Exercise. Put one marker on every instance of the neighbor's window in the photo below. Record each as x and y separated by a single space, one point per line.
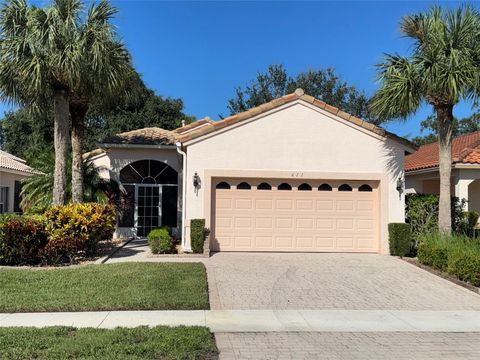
223 185
365 187
324 187
304 187
344 187
3 199
244 186
264 186
17 197
284 186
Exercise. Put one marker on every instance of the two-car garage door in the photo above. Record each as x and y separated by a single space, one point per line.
293 215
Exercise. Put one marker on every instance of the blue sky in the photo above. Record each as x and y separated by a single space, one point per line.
200 51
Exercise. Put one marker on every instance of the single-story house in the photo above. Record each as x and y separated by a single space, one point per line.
421 170
12 171
294 174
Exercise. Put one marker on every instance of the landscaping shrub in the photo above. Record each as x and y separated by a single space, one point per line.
76 229
197 235
466 225
21 239
432 250
422 214
400 239
160 241
459 255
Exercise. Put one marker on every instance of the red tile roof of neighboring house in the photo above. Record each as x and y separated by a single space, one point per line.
465 150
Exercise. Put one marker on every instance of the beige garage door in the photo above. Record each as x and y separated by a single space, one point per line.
302 216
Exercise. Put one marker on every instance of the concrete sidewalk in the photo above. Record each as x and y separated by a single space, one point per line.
262 320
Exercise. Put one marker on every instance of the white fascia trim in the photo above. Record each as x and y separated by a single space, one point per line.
466 166
137 146
19 172
436 169
421 171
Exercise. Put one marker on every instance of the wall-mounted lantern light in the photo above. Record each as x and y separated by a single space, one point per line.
196 181
399 184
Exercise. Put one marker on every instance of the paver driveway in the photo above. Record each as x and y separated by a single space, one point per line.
329 281
343 346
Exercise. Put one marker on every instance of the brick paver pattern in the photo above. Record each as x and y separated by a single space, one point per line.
329 281
342 345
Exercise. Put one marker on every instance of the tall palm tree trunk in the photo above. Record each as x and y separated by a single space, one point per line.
78 110
61 137
445 122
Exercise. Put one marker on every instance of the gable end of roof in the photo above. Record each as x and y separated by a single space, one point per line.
214 126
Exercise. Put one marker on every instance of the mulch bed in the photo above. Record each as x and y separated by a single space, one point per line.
442 274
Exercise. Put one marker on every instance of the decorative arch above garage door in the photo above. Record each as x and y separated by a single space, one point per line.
300 216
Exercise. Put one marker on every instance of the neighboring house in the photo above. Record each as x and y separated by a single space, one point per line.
294 174
12 171
421 170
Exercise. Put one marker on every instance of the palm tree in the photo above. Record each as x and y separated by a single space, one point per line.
105 67
50 56
443 68
38 66
37 190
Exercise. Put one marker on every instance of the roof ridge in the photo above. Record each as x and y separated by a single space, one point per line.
285 99
466 151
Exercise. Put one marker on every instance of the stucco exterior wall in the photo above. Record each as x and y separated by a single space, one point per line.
8 179
297 140
428 182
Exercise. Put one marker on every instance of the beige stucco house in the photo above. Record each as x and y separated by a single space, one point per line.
421 170
294 174
12 171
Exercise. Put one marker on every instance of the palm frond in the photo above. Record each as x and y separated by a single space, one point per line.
443 68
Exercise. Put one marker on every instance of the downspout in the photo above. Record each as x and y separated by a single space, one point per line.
184 192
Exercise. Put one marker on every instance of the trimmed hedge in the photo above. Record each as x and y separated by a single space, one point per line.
63 234
458 255
400 239
197 235
21 240
160 241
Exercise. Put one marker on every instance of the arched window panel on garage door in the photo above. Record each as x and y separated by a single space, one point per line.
344 187
304 187
365 188
244 186
223 185
264 186
325 187
284 186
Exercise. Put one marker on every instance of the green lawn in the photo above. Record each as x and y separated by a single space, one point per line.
121 343
126 286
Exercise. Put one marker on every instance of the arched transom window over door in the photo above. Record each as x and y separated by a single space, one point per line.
148 172
152 188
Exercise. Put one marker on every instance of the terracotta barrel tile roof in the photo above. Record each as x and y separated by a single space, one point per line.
11 162
465 149
158 136
297 95
146 136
